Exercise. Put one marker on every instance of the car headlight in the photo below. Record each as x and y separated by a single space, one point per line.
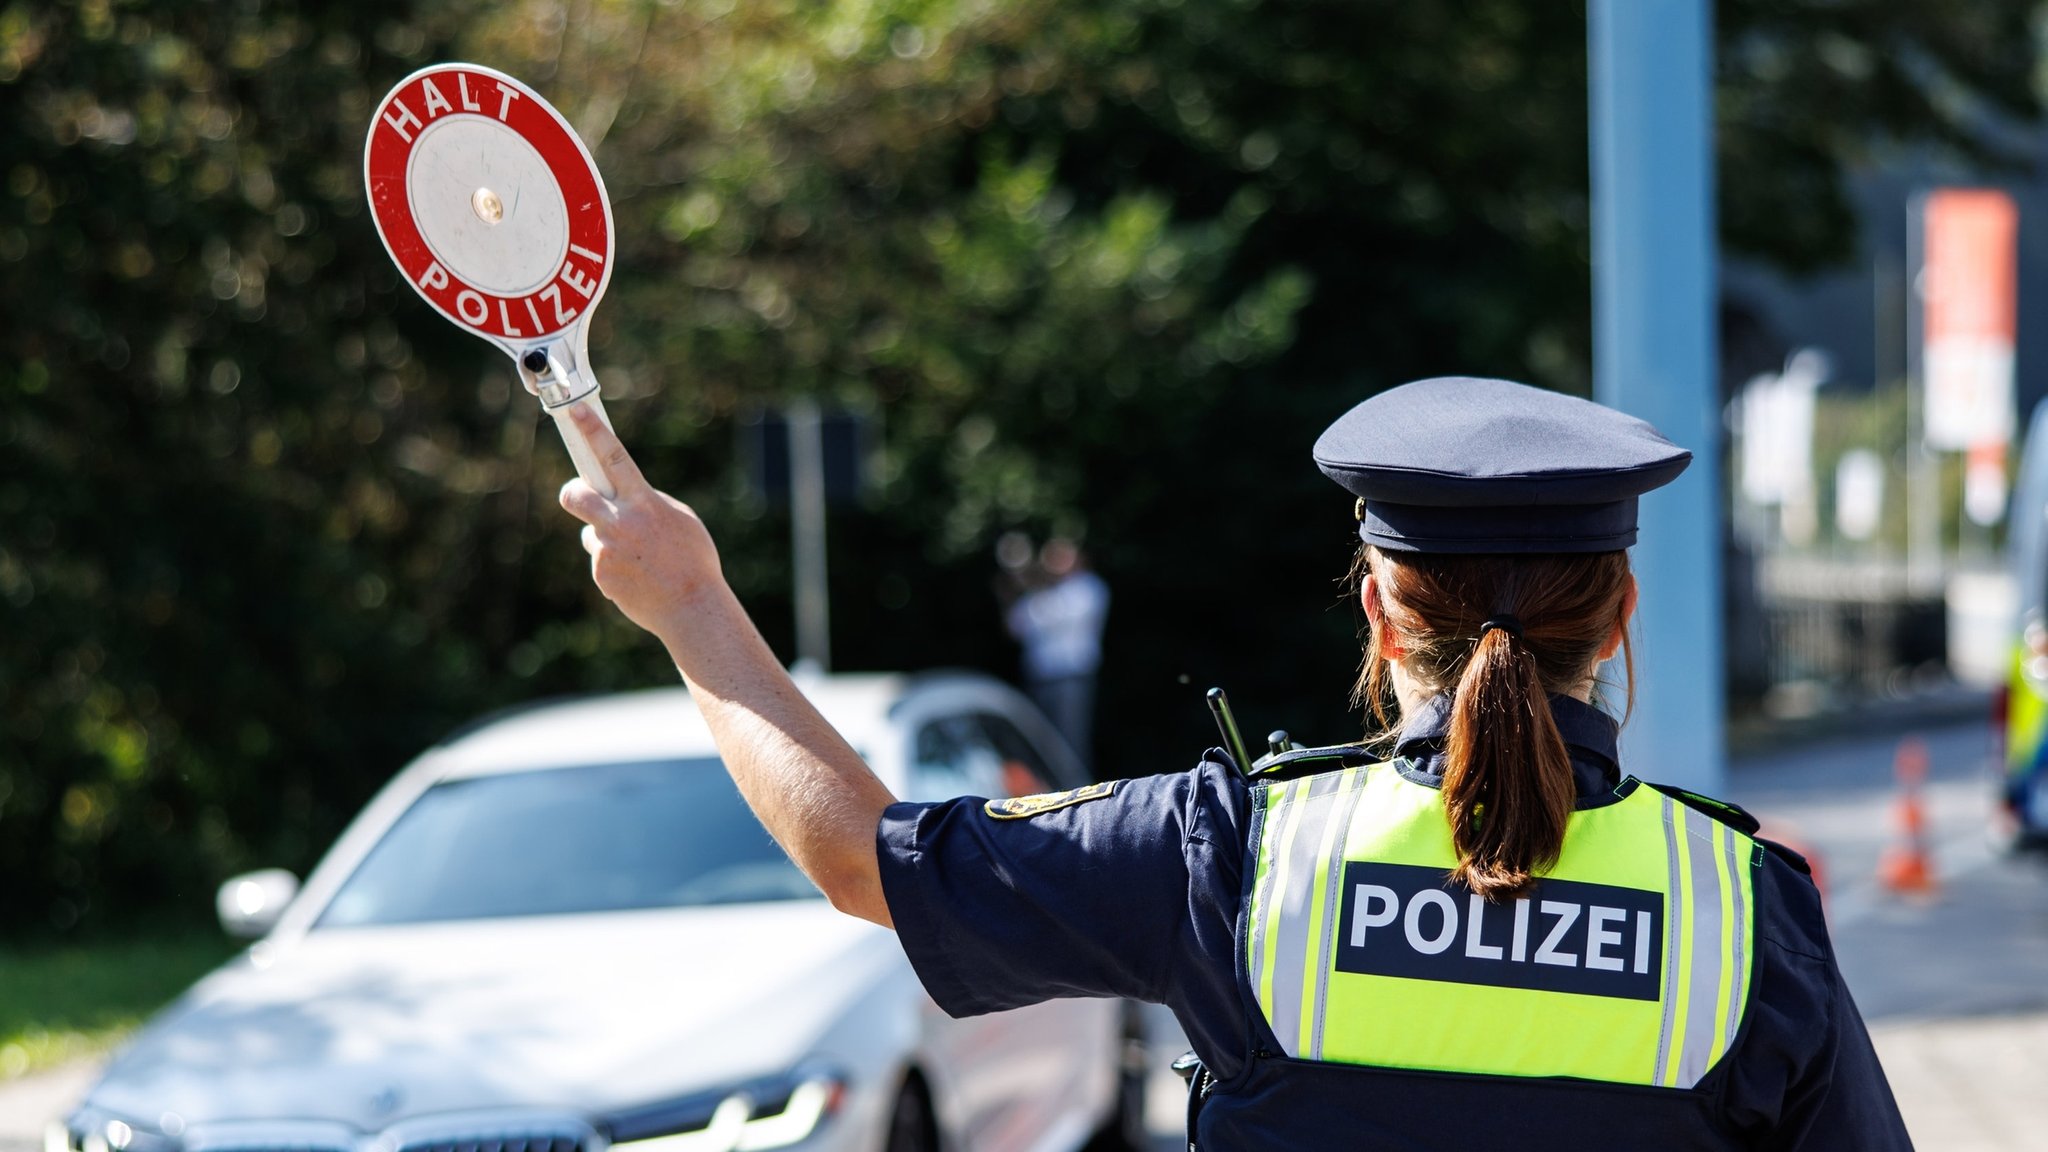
751 1118
91 1131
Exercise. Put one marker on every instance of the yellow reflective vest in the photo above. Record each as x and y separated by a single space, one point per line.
1629 962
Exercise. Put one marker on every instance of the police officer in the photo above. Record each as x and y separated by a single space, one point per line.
1491 938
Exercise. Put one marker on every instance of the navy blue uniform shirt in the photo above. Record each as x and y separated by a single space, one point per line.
1138 895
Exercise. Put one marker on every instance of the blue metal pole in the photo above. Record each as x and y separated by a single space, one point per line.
1654 356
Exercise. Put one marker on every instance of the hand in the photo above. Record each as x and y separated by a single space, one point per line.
649 553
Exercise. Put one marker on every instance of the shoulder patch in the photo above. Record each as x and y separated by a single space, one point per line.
1024 807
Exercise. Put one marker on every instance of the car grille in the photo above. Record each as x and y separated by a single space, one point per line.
519 1132
511 1142
275 1148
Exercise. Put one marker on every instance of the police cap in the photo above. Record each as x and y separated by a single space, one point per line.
1461 464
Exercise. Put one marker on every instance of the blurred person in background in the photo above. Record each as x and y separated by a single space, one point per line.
1057 617
1475 932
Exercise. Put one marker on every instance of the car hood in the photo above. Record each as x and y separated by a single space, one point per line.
368 1026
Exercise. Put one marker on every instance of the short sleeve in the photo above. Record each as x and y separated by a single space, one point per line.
999 906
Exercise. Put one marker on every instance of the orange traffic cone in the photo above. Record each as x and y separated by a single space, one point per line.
1906 865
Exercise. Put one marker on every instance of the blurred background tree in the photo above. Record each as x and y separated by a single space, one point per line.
268 526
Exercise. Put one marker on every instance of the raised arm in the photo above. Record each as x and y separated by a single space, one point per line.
653 557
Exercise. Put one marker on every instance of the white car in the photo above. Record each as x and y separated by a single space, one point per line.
562 931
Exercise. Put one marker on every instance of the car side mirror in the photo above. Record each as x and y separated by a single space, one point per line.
250 904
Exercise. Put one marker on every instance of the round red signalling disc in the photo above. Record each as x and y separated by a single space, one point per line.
496 215
489 203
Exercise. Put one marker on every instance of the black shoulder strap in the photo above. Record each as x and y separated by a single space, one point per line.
1298 762
1733 815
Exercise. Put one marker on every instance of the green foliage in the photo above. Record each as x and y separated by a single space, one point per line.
267 525
237 592
1806 87
60 1003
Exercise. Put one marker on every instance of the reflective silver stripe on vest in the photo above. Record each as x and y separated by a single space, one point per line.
1709 947
1738 959
1674 938
1295 887
1350 786
1712 866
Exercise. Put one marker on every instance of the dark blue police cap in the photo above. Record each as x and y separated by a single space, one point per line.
1460 464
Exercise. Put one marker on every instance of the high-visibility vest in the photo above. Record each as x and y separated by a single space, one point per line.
1629 962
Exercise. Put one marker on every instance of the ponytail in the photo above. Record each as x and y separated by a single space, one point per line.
1508 786
1507 780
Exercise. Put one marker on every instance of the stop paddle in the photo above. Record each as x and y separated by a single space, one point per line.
495 213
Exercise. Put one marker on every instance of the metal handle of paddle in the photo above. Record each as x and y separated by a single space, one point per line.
587 464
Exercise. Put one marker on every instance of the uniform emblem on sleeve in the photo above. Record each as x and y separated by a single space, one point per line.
1023 807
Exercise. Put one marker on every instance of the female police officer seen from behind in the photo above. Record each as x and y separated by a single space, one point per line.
1491 939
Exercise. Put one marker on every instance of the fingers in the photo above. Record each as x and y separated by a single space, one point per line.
589 537
604 443
587 504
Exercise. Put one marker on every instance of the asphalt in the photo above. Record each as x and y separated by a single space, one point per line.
1953 983
1978 945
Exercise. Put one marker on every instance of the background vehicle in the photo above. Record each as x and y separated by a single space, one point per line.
2023 719
563 930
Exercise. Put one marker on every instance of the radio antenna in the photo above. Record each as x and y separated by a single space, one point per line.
1233 740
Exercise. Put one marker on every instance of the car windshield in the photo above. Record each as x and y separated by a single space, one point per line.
659 834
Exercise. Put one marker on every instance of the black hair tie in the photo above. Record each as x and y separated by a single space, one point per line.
1505 623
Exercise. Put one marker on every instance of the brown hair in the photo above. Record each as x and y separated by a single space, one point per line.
1507 781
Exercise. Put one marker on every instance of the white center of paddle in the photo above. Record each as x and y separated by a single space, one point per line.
487 205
